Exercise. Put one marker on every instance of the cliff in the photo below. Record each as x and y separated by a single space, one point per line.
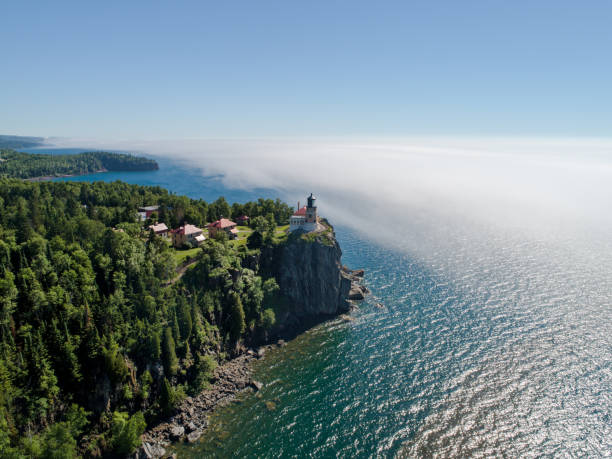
314 285
310 275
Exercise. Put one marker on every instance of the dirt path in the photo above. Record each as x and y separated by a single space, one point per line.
180 271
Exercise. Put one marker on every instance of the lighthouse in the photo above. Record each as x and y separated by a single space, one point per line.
311 210
305 218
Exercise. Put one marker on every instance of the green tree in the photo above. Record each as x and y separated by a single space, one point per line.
58 442
268 319
126 432
185 321
237 324
170 359
167 398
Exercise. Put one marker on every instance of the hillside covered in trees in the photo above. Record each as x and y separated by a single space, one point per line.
17 141
30 165
96 342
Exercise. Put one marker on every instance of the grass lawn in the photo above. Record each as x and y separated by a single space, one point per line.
243 233
181 255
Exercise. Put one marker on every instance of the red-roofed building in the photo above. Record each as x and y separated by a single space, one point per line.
223 224
160 229
305 218
243 220
187 234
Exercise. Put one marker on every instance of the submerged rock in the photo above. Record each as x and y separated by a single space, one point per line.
194 436
271 406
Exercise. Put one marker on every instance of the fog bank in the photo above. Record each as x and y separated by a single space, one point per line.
411 191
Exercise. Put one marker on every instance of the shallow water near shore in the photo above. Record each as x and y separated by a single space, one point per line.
499 345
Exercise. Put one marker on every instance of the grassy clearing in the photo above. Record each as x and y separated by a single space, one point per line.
181 255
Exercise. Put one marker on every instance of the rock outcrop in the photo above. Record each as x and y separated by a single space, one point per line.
310 274
311 277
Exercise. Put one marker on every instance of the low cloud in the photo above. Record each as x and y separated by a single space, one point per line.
416 192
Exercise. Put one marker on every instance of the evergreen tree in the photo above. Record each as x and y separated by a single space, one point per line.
170 359
237 324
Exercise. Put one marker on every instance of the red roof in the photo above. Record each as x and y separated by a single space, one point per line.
222 224
158 227
187 229
300 212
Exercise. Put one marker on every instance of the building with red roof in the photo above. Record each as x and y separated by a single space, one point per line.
243 220
223 224
187 234
305 218
160 229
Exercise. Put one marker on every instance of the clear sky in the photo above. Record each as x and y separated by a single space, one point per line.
130 69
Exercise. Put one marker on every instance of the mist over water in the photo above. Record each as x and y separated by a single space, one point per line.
493 258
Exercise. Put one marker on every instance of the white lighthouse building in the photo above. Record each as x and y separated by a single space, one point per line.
305 218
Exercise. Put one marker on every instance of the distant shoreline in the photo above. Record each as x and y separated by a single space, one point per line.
51 177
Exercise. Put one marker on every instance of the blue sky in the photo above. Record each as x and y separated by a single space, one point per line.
322 68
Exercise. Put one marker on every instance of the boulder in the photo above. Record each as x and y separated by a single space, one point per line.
151 451
177 432
191 427
256 385
355 294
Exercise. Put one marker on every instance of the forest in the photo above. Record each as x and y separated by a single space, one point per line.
17 141
29 165
96 339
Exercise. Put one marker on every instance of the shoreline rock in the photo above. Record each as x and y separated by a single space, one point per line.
191 418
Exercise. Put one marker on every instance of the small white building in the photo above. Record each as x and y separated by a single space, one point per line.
305 218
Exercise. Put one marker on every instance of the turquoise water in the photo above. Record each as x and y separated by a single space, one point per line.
496 346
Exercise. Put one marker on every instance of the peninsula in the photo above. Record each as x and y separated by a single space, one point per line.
32 166
118 302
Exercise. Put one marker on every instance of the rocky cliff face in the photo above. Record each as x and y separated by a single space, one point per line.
310 274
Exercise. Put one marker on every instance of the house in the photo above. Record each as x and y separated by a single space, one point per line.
160 229
223 224
187 234
243 220
146 212
305 218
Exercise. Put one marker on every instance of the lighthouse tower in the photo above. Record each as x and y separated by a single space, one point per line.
305 218
311 210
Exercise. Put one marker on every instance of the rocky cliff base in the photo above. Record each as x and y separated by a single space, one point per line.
191 418
313 280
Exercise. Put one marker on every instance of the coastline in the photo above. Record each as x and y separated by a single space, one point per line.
234 376
42 178
191 419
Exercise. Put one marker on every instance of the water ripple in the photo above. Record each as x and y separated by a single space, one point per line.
499 350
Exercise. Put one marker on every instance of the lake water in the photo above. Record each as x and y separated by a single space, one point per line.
499 346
